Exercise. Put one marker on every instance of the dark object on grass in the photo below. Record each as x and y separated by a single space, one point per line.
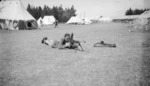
43 41
67 42
145 44
103 44
75 43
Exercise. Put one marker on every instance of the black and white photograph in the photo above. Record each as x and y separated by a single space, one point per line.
74 42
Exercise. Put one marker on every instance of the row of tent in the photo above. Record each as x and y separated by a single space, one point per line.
73 20
47 20
14 16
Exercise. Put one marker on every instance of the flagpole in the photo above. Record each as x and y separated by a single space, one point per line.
84 17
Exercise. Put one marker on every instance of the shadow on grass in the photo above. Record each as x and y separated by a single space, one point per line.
4 79
145 69
5 76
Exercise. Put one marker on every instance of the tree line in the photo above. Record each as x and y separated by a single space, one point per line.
60 13
135 11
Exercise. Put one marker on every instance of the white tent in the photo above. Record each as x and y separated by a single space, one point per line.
75 20
14 16
95 19
48 20
14 10
105 19
146 14
39 21
142 20
87 21
142 23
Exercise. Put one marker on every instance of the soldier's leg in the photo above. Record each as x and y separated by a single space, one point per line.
74 46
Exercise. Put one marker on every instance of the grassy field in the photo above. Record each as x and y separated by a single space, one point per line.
24 61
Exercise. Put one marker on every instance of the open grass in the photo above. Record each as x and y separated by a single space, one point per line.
24 61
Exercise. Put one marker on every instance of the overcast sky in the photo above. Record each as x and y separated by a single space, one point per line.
94 8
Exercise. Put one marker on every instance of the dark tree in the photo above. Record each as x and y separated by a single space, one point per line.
135 11
61 14
129 12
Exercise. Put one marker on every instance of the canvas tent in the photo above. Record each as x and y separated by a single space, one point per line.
146 14
86 21
105 19
39 21
13 10
95 19
75 20
47 20
143 21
